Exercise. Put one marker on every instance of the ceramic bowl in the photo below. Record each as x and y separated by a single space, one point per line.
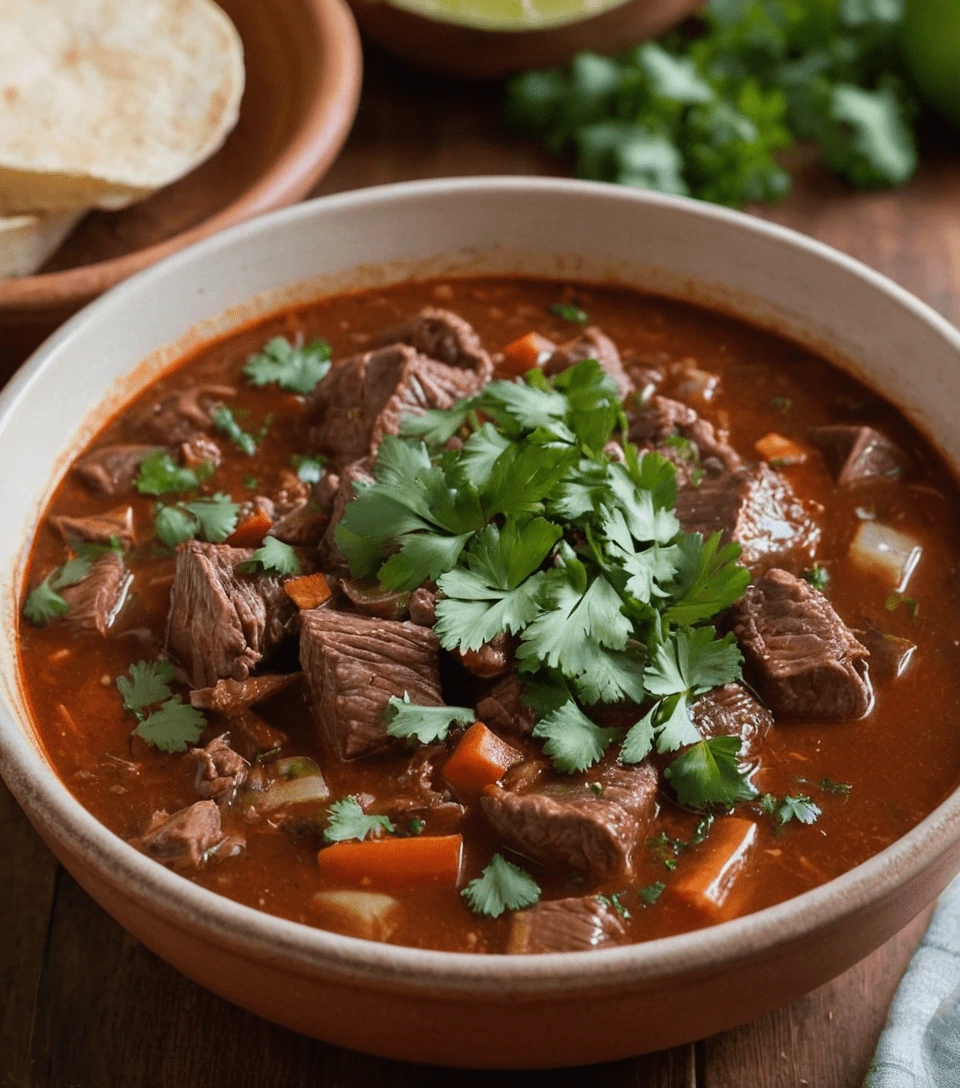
458 1009
303 71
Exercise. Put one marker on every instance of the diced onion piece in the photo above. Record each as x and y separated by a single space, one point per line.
779 451
358 914
886 552
698 383
293 791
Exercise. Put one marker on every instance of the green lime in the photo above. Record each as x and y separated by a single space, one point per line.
931 48
507 14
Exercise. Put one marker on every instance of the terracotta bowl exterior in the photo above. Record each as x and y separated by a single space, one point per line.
492 54
303 73
482 1011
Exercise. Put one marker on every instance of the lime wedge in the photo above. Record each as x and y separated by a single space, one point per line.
507 14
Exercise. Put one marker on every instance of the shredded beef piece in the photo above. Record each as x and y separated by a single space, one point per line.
591 344
446 337
199 449
178 416
116 524
419 793
220 770
590 822
660 419
222 623
370 598
358 472
233 696
423 607
112 469
755 507
801 657
731 711
355 664
566 925
95 602
253 738
503 709
856 454
303 526
180 841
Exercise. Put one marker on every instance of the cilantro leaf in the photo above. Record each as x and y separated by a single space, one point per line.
650 893
816 576
297 369
692 661
224 421
428 724
274 557
674 727
573 741
159 474
800 808
309 469
866 137
347 820
501 886
174 525
438 425
44 604
709 774
173 726
148 683
211 518
568 312
841 788
638 743
708 579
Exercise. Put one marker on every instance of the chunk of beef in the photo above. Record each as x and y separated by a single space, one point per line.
325 491
370 598
222 623
253 738
856 454
419 793
177 417
182 840
659 419
492 659
731 711
220 770
234 696
591 344
591 822
115 524
354 665
358 472
757 508
423 606
199 449
890 656
111 470
566 925
801 657
503 709
303 526
95 601
293 492
446 337
366 396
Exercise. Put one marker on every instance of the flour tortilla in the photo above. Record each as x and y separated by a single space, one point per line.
26 241
103 101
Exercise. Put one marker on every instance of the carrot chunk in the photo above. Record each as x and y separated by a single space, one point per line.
309 591
394 863
780 451
716 865
526 353
479 760
250 532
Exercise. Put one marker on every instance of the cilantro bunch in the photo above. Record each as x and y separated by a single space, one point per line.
531 528
705 114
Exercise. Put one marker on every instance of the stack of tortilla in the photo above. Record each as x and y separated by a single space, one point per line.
101 103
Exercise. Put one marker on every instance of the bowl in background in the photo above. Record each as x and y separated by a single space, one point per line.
421 1005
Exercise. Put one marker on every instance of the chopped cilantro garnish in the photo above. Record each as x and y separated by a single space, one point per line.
817 576
309 469
842 789
159 474
709 774
686 450
567 312
416 826
428 724
250 483
297 369
211 518
652 892
347 820
783 403
224 421
44 602
274 557
785 809
501 886
894 600
572 740
170 726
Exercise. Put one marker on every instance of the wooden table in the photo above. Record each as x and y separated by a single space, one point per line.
83 1004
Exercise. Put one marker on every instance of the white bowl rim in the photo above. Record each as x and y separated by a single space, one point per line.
299 947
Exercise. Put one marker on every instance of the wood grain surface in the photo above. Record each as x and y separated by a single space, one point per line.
82 1004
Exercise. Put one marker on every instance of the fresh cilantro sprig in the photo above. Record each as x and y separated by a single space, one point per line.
296 368
225 422
568 312
427 724
347 820
159 474
784 809
308 469
211 518
274 557
163 719
44 603
531 529
502 886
